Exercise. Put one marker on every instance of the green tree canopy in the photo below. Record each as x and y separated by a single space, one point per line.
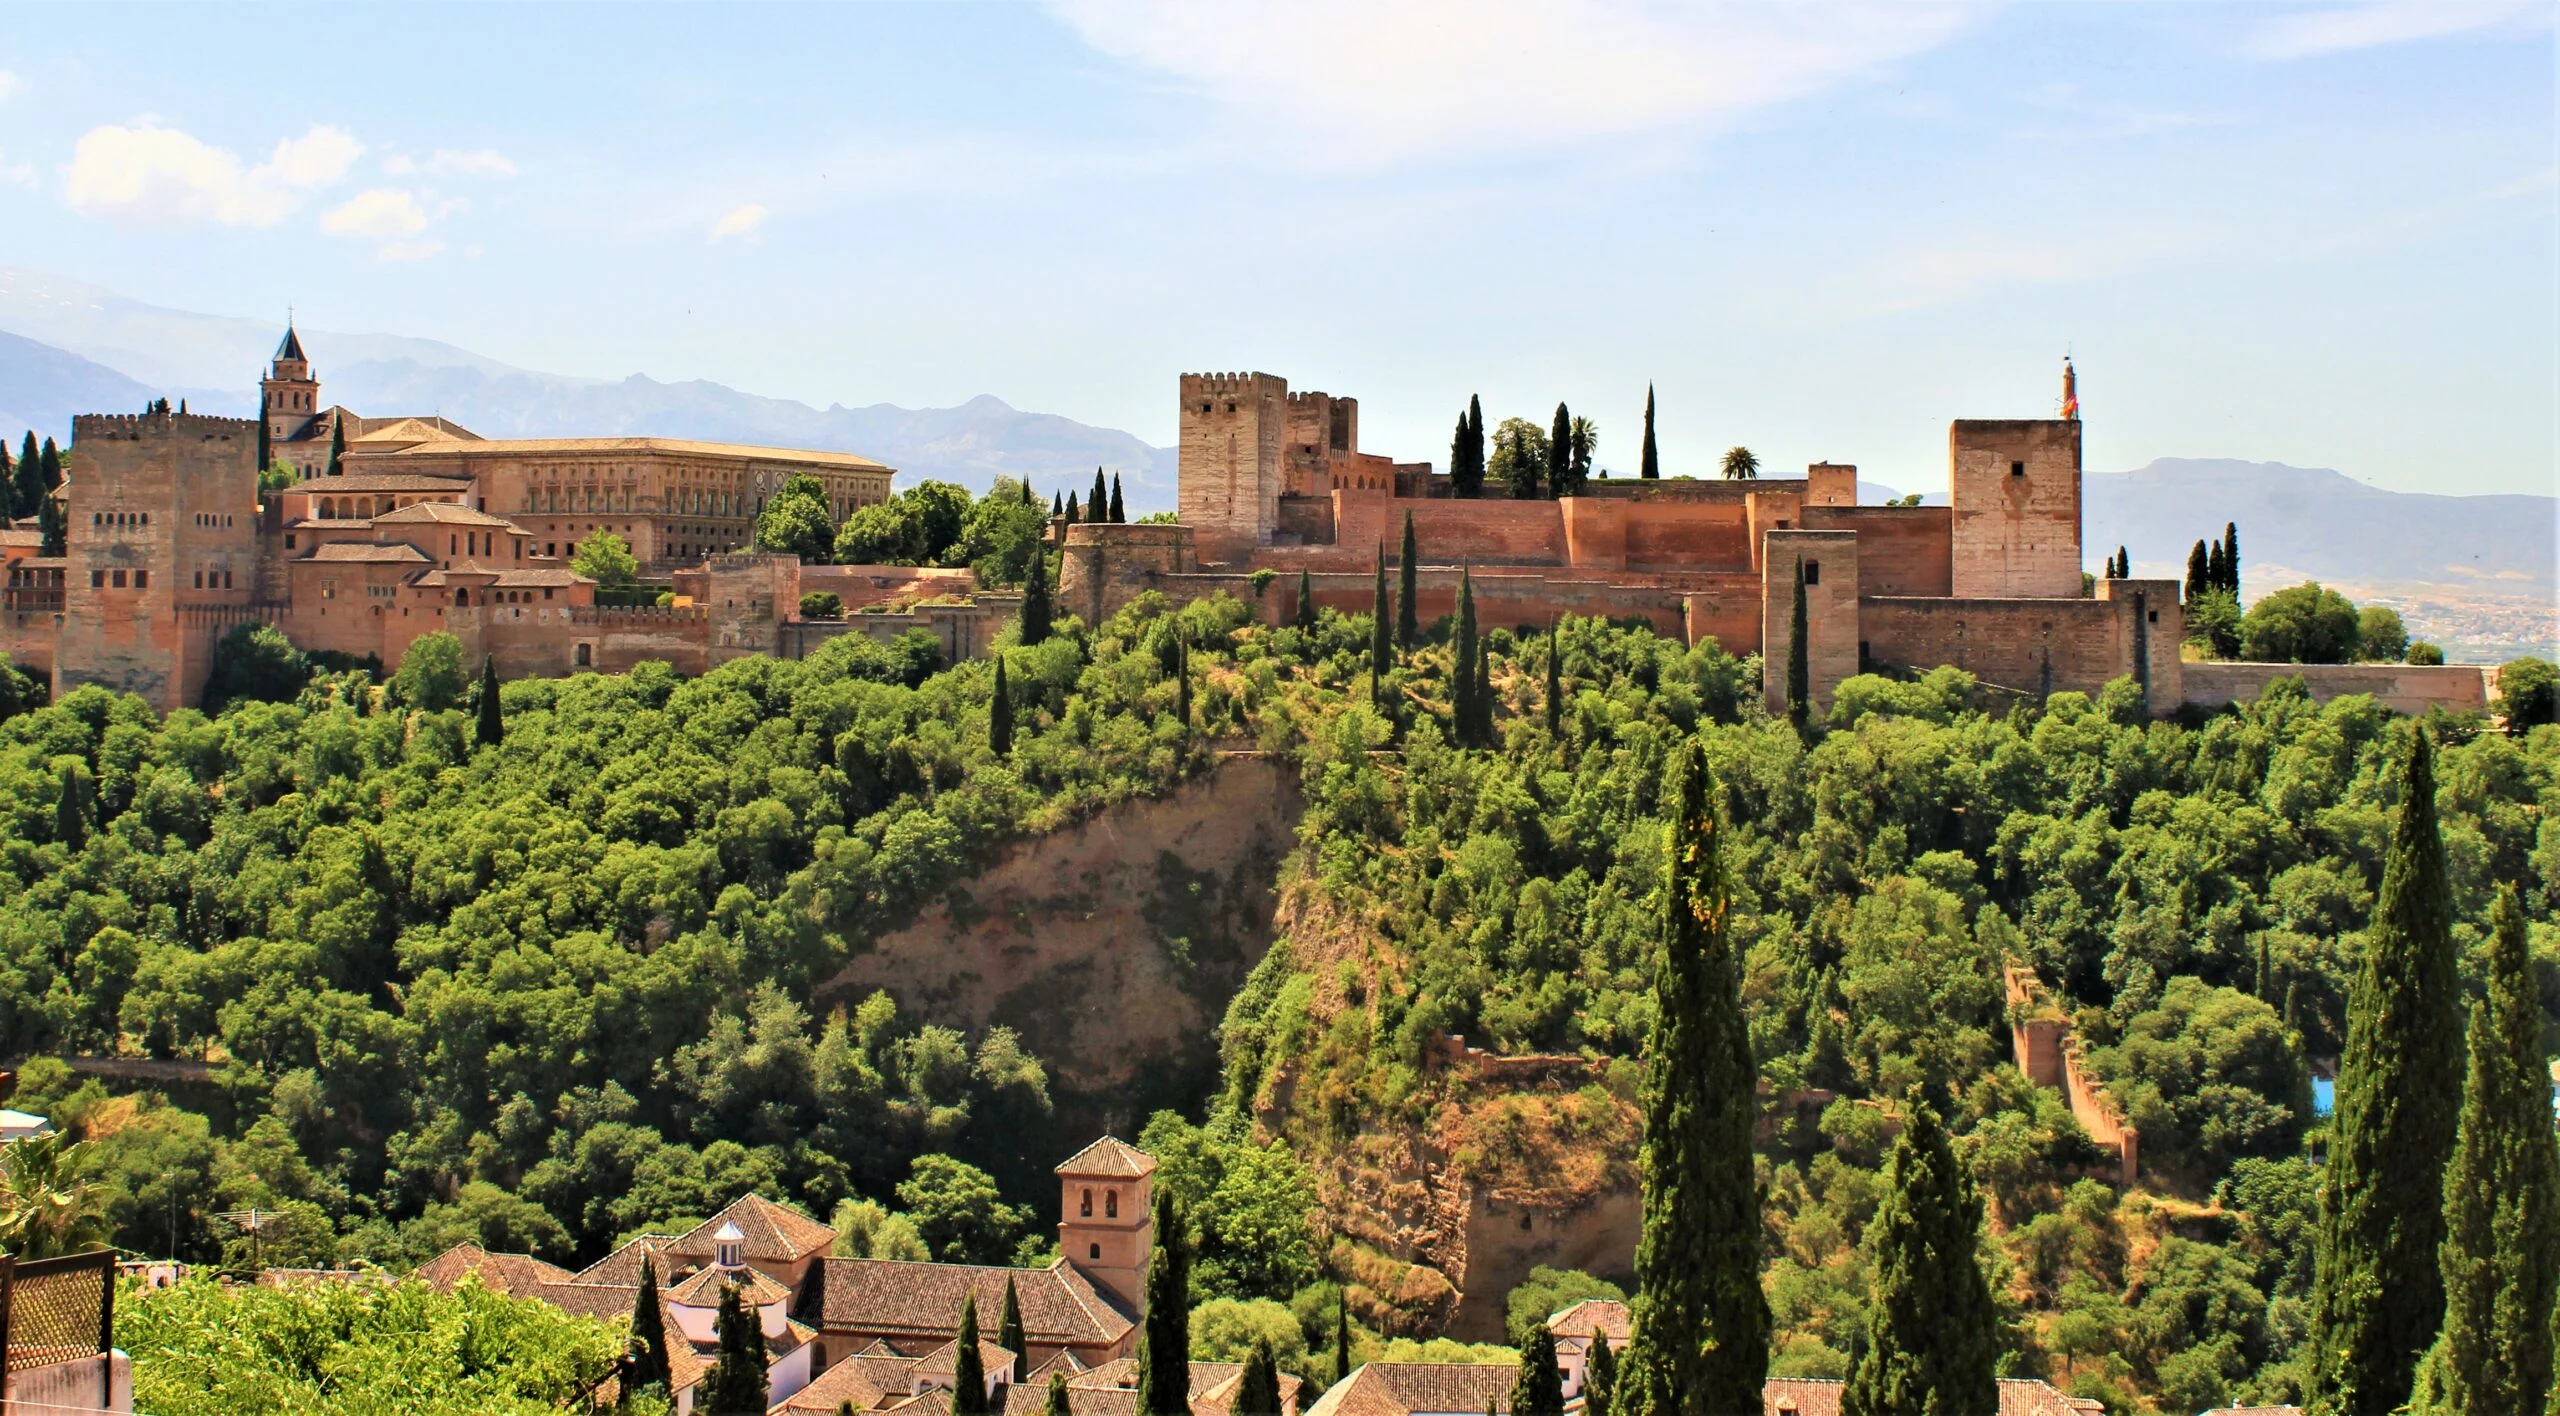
798 521
256 663
430 674
605 558
2305 624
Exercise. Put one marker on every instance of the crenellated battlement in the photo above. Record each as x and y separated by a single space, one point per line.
1233 383
134 427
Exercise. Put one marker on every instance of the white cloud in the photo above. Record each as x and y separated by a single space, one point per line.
148 173
8 85
408 250
447 162
2379 22
740 223
381 213
1369 81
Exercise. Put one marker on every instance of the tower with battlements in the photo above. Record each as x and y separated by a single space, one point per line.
1233 427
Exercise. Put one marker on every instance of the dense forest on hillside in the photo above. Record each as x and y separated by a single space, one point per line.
544 992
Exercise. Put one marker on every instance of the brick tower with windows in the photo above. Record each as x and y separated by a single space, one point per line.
289 399
1106 1225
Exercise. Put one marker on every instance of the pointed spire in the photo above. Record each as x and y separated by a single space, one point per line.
292 346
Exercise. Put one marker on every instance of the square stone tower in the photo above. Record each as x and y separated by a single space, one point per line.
1830 608
1106 1223
2015 489
1232 428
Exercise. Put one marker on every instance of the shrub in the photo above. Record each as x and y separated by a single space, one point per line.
822 605
2305 624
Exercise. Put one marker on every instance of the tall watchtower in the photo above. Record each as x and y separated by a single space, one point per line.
289 397
1233 427
1106 1225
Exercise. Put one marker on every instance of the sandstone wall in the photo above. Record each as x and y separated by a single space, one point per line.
1831 612
1902 550
2048 1053
859 585
2014 487
2024 646
2403 688
1230 475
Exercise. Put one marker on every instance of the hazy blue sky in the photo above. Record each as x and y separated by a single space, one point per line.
2319 234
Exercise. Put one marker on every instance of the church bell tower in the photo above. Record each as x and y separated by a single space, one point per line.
289 398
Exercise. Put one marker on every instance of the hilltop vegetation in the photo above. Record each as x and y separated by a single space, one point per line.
545 992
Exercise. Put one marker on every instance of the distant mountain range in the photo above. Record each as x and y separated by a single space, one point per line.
69 348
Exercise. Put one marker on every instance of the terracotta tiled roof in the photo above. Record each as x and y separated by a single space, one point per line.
553 577
1110 1158
933 1401
358 553
441 513
775 1233
943 1363
1811 1396
884 1297
703 1289
452 483
1065 1364
1797 1396
865 1381
1601 1316
634 447
517 1274
623 1264
1422 1389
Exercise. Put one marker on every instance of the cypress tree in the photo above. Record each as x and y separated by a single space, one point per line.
968 1365
1599 1377
2199 573
10 493
1560 454
1119 513
1000 742
1057 1396
1306 602
2214 575
2501 1252
1482 697
1182 683
337 446
2231 558
1539 1389
1074 513
1462 672
1382 650
1164 1337
1458 456
30 479
1466 466
1258 1385
52 530
1058 508
266 452
1027 498
1009 1333
735 1385
1341 1336
52 466
1799 661
1652 459
492 728
1700 1345
647 1365
70 815
1408 612
1037 614
1555 685
1097 506
1932 1335
2378 1299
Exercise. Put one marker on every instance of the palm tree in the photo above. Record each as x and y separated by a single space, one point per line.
45 1207
1740 465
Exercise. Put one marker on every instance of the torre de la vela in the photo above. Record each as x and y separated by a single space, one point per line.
404 526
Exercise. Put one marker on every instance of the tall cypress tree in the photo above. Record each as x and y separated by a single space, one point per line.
1932 1334
735 1385
1539 1389
648 1364
2378 1299
52 531
1555 684
52 459
1097 506
1599 1377
2199 572
1119 513
1458 457
1009 1334
1466 465
266 451
1652 458
1058 1405
1408 611
1074 512
1462 670
1560 455
1057 508
1799 660
968 1365
337 446
1382 649
30 479
70 810
2501 1252
2231 558
1306 601
1182 683
11 495
1038 616
1258 1385
1164 1335
2214 575
1341 1335
1483 698
1700 1345
1000 742
492 727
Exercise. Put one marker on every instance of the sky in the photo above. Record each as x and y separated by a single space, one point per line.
2320 234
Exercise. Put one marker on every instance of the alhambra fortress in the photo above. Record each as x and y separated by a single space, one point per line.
403 526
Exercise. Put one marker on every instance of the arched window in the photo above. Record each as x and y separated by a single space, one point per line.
584 656
1093 1251
1087 1210
1110 1204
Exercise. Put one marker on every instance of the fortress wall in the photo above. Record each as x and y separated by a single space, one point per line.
1485 532
1901 550
1309 519
1832 622
859 585
2402 688
1728 613
1709 536
27 637
2008 643
2015 489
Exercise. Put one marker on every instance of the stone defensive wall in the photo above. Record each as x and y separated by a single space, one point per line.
2402 688
621 636
964 630
2035 646
27 635
860 585
2048 1054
